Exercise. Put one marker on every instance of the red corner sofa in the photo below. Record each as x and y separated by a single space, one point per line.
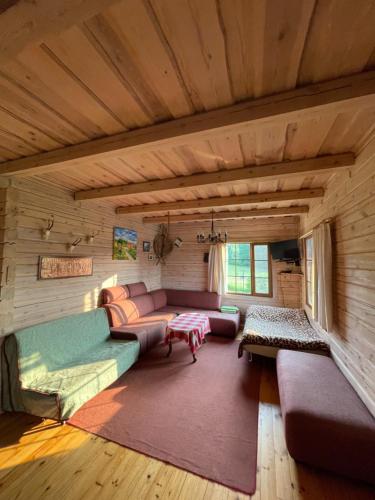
134 313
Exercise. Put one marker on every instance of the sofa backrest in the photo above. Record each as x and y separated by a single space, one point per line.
114 293
191 298
159 297
136 289
122 292
123 312
52 345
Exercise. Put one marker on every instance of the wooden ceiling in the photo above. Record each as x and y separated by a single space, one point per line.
136 63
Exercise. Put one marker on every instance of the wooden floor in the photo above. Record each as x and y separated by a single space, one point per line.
43 460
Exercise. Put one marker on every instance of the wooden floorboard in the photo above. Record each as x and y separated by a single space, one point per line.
42 460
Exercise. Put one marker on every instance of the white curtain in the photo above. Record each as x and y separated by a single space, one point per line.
322 276
216 269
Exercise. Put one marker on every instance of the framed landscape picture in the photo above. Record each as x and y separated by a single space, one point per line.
124 244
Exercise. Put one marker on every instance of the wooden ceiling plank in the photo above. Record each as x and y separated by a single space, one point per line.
311 165
341 94
346 54
235 214
222 201
280 30
77 52
23 23
195 35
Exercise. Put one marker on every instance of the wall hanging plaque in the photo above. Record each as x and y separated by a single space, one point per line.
64 267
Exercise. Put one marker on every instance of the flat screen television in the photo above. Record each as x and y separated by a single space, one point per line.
285 250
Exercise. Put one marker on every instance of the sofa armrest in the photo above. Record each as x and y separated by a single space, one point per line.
148 337
122 333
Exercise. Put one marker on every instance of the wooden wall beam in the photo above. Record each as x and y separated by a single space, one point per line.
222 201
340 94
23 22
236 214
311 165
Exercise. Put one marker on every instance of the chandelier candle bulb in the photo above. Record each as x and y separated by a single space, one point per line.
213 237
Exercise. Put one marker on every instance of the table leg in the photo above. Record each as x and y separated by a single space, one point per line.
169 349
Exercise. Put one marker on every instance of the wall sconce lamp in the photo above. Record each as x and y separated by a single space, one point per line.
47 231
75 243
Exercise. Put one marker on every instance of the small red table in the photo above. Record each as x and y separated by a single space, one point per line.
191 327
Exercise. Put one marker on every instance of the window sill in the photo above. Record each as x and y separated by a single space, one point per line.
236 294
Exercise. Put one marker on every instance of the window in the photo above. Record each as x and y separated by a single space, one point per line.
308 269
239 268
248 269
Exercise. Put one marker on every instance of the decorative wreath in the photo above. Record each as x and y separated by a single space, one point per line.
162 244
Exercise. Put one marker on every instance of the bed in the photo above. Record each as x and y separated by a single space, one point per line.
268 329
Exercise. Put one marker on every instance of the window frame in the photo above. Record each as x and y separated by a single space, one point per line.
252 270
305 240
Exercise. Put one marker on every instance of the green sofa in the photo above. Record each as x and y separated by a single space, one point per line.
52 369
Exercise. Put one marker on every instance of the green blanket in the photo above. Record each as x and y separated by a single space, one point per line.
52 369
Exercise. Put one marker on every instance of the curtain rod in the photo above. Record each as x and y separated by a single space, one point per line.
328 221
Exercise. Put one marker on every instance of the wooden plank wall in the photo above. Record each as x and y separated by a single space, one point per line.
185 268
350 201
8 206
36 301
3 193
3 312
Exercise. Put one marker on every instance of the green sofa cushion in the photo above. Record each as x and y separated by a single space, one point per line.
48 346
81 380
52 369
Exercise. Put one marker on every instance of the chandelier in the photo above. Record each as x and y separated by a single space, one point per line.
213 237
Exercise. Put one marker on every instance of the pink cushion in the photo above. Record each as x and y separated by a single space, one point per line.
136 289
223 324
156 316
144 304
196 299
114 293
127 311
326 424
159 297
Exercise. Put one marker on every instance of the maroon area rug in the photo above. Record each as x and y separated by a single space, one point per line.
202 417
